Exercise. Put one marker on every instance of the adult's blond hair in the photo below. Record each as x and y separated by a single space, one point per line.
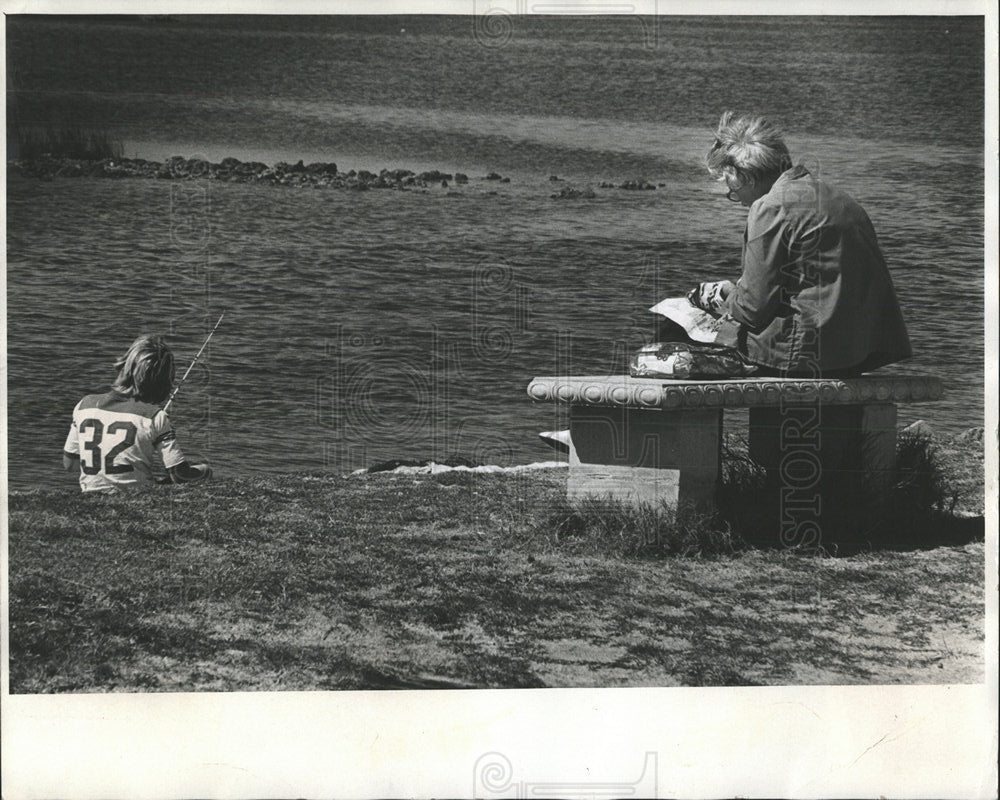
747 149
146 371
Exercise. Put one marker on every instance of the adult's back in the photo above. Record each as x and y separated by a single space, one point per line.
815 294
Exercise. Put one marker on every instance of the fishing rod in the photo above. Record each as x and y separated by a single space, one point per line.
197 356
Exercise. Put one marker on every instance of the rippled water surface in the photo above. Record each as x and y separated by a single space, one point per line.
363 326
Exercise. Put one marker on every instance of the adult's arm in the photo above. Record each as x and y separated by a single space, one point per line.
756 299
711 296
70 461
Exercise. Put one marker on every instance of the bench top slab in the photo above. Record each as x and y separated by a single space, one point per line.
625 391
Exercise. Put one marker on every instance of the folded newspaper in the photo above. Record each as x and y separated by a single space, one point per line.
700 325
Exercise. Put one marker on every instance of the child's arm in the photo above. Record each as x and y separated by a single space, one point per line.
179 469
71 449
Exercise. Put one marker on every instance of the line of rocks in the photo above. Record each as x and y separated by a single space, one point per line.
232 170
572 192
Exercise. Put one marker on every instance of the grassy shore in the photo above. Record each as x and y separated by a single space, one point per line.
461 580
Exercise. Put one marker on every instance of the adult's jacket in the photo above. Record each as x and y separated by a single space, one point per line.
815 295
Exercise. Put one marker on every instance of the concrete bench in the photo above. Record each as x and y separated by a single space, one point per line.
646 440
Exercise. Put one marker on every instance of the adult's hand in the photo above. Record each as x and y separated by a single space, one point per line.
711 296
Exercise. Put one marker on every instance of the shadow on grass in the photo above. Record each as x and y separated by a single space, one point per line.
921 507
918 513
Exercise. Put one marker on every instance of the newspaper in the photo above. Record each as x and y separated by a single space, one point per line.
700 325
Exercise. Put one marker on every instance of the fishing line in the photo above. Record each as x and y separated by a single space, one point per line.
197 356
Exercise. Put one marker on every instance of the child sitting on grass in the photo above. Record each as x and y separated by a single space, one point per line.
119 439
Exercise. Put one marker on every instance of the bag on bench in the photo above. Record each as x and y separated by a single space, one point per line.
684 360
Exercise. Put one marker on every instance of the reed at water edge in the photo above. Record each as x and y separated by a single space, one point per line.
61 140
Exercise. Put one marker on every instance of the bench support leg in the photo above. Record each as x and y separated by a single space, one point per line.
639 456
847 448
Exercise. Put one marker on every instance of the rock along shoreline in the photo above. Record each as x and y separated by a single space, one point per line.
317 174
232 170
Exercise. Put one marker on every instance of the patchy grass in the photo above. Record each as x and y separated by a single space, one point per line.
612 528
456 580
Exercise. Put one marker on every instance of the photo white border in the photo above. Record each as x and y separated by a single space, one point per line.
893 741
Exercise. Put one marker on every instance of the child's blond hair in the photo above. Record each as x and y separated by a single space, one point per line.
146 371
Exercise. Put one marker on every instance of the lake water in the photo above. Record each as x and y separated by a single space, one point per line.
363 326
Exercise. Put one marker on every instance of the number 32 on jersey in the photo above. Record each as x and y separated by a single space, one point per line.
118 436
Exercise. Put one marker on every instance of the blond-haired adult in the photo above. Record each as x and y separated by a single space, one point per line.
815 296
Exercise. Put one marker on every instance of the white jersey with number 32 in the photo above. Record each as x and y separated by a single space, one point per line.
121 442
